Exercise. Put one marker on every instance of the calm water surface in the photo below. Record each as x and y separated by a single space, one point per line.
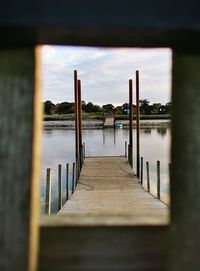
58 148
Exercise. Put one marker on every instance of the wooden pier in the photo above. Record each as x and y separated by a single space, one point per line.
107 185
109 121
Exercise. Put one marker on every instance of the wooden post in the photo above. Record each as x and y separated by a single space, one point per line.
129 154
59 187
137 125
20 133
80 125
148 178
73 178
48 192
141 171
125 148
83 149
76 123
185 163
67 182
131 122
158 179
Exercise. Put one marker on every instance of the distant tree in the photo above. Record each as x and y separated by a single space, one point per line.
90 107
154 108
125 106
47 107
169 107
118 110
65 108
108 108
144 106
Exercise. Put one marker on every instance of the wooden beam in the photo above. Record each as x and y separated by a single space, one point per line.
185 177
95 248
20 127
106 23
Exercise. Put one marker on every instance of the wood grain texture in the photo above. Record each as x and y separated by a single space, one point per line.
107 185
103 248
185 167
19 159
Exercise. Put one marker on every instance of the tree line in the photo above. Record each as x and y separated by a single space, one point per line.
69 108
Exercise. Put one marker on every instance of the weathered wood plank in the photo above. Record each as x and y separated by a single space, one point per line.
19 157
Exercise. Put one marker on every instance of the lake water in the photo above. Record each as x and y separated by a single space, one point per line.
58 148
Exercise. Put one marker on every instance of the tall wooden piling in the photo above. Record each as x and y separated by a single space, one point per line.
137 125
48 192
80 125
76 123
131 123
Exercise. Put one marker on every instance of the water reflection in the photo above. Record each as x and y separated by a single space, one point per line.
162 131
147 131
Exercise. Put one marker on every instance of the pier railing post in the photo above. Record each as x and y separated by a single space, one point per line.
59 186
148 178
141 171
125 148
83 149
73 177
129 154
67 181
48 192
158 179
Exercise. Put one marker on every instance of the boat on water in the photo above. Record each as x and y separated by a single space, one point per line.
118 125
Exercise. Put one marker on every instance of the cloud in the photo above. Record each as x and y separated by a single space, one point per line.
105 73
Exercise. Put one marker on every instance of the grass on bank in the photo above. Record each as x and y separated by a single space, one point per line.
100 116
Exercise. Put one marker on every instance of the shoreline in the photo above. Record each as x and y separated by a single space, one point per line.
98 124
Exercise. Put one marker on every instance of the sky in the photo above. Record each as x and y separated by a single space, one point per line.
105 73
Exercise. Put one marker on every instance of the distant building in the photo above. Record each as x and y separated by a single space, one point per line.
126 110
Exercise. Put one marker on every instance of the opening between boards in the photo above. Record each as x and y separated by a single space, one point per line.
106 135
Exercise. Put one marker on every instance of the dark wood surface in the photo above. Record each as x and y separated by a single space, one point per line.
185 177
20 123
103 248
145 23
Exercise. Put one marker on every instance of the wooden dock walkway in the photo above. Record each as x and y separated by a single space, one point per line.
107 185
109 122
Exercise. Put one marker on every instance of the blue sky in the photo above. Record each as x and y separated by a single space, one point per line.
105 73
